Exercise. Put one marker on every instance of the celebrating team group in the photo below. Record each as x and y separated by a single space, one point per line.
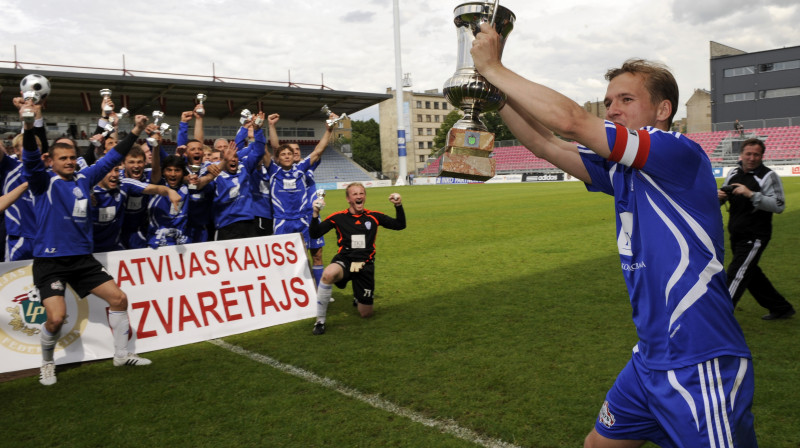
109 200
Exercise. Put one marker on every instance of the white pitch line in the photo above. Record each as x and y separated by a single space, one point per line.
446 426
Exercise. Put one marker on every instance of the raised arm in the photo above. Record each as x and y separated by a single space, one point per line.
199 133
542 142
323 142
155 173
274 141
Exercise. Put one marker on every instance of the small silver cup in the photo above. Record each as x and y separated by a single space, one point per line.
106 93
200 98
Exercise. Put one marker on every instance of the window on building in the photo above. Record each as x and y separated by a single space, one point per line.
428 118
427 104
779 93
740 71
444 106
419 131
429 131
736 97
778 66
435 104
436 118
430 145
421 145
419 104
419 117
422 159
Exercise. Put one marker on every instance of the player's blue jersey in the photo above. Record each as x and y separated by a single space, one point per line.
259 186
20 214
62 207
167 224
289 190
312 186
108 213
670 239
136 206
233 196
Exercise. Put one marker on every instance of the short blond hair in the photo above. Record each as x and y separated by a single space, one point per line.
354 184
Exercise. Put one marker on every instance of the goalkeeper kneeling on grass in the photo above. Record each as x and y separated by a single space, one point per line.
356 230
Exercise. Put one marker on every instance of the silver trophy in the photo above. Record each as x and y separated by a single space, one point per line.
200 98
245 116
327 111
193 169
163 128
123 112
469 142
106 93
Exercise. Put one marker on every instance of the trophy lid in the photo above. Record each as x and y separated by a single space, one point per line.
475 13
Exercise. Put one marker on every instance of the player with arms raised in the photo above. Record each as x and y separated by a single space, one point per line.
689 382
63 244
356 230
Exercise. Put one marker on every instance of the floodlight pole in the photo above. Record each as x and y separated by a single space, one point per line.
402 170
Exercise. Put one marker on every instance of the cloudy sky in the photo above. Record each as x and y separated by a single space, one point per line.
566 45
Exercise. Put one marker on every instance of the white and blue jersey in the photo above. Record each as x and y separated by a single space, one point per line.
109 213
259 186
135 207
18 218
167 224
289 190
671 245
62 207
233 196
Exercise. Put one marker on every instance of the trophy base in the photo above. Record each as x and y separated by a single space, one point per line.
466 155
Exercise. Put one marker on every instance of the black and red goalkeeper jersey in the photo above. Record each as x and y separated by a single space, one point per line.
356 234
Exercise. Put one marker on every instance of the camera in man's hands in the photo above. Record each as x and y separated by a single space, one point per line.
728 189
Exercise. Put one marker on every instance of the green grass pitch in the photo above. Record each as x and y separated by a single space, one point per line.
500 309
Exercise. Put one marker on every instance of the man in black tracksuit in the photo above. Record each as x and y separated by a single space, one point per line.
755 192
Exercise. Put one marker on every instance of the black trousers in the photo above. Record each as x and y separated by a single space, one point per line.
745 274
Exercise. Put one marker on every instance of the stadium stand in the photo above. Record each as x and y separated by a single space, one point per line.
782 142
783 146
335 166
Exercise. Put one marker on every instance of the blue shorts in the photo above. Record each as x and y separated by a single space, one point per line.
287 226
316 243
704 405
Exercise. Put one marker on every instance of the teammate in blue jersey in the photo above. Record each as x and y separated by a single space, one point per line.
233 195
134 225
168 220
289 187
689 382
63 243
315 245
109 197
19 214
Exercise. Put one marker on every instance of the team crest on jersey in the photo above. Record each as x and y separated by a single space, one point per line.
606 417
368 225
22 313
77 192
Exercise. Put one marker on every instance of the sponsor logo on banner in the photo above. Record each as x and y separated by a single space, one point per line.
543 177
23 314
796 170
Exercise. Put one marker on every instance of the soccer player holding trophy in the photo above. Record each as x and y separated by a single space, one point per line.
690 378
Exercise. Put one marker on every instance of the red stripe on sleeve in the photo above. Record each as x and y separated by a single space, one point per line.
620 142
643 151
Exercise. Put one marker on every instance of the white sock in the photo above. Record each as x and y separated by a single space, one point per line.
323 298
49 341
121 329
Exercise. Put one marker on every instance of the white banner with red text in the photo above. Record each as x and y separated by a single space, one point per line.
176 295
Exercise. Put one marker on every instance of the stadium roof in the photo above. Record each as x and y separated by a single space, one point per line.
145 93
